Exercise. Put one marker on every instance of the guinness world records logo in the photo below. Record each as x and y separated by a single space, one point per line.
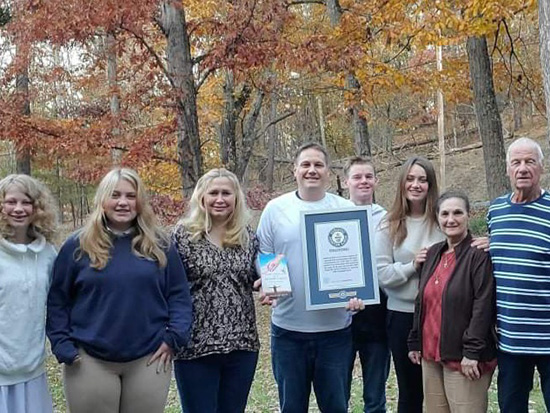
338 237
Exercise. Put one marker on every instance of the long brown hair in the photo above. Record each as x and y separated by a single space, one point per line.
401 208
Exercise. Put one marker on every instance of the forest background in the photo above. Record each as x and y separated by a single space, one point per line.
176 87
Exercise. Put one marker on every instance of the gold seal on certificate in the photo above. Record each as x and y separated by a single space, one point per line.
274 273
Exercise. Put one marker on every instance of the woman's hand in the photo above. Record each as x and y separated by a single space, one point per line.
420 258
164 356
470 368
415 357
264 298
481 243
355 304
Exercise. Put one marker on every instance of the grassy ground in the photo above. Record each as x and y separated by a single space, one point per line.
263 397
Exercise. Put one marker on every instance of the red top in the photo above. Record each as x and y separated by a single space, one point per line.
431 317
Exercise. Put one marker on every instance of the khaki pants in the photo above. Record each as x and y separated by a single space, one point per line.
96 386
448 391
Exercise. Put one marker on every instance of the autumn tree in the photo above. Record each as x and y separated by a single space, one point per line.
195 84
488 117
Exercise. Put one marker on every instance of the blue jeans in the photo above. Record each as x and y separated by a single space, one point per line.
515 380
300 359
218 383
375 366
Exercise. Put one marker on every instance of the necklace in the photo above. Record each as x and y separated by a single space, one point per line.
446 262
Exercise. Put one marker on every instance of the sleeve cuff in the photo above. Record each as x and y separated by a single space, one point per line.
408 269
67 354
174 341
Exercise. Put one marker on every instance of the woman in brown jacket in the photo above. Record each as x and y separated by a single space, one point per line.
453 331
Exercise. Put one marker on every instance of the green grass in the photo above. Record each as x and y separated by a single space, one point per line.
263 396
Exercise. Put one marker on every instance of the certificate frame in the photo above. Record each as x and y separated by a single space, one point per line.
339 259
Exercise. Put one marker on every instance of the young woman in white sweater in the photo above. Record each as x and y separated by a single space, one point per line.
402 239
28 221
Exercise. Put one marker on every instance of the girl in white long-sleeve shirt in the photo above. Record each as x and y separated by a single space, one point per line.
402 240
27 225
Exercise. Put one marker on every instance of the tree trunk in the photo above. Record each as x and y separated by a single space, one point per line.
321 121
271 139
334 12
441 124
23 154
180 70
249 136
488 117
112 68
517 106
233 107
544 33
361 136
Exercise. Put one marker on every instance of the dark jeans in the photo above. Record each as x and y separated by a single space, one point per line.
409 375
375 367
300 359
218 383
515 380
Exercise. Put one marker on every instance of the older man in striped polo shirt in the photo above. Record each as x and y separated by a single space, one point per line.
519 226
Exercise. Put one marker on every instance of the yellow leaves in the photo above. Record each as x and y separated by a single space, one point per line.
202 9
162 177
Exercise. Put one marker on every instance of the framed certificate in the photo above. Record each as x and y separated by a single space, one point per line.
339 261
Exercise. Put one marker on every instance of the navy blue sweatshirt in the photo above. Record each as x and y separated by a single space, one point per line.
120 313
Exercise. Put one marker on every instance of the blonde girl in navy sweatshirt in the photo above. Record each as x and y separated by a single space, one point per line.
119 306
28 221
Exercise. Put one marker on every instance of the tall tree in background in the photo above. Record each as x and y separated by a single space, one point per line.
167 78
544 33
22 100
180 72
112 73
488 116
21 97
361 136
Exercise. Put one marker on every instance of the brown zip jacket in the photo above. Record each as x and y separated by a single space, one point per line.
468 313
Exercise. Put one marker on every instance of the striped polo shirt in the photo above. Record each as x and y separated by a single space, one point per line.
520 252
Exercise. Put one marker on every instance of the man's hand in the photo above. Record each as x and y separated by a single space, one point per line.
355 304
481 243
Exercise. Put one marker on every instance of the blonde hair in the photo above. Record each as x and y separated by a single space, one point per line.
44 219
401 209
198 222
148 240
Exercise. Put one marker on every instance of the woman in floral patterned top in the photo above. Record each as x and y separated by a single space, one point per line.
215 370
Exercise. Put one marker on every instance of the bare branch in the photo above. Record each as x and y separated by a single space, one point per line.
204 75
196 60
152 52
299 2
405 47
274 122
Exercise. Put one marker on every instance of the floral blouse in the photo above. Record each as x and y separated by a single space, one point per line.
220 280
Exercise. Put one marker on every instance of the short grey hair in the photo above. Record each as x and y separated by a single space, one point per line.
526 141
